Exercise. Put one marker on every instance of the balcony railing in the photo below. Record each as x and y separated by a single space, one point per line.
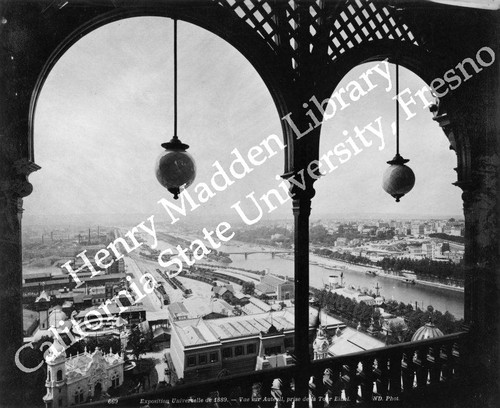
400 372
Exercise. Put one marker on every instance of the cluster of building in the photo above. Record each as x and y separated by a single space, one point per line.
407 247
50 298
229 333
56 281
402 239
399 227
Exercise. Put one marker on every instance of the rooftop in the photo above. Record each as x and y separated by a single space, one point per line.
193 332
113 309
196 332
29 318
352 341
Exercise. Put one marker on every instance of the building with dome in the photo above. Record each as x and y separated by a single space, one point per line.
77 379
427 331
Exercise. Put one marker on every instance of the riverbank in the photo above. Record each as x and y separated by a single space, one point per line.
395 277
339 265
440 285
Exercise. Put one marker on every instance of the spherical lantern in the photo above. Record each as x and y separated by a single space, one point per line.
398 179
175 167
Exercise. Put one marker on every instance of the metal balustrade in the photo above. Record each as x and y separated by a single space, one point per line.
392 373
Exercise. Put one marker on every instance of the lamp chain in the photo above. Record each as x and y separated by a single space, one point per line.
175 78
397 109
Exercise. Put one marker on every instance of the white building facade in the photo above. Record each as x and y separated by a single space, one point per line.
80 378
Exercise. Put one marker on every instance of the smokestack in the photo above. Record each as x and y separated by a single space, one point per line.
89 236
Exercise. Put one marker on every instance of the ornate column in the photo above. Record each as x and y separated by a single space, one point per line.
481 260
12 190
301 212
472 128
302 192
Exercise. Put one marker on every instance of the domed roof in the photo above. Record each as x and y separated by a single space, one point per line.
427 331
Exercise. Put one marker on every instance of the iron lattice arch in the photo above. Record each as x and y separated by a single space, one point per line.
295 29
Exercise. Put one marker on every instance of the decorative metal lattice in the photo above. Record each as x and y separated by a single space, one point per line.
361 21
292 28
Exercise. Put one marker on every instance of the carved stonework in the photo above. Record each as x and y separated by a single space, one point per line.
459 145
18 186
23 168
12 191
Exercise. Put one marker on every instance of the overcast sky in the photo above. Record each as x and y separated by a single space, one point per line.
107 106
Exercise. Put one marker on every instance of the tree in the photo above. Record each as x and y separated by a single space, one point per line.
318 233
137 342
248 288
396 332
321 297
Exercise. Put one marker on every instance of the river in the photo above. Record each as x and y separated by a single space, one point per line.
441 299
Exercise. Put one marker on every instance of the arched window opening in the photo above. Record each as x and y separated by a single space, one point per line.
101 116
59 375
401 258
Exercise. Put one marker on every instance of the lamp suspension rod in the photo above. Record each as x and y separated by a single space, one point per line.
397 109
175 78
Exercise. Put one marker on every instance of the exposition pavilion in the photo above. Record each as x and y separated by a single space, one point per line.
300 48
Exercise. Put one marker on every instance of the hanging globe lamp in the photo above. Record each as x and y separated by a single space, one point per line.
175 168
398 179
